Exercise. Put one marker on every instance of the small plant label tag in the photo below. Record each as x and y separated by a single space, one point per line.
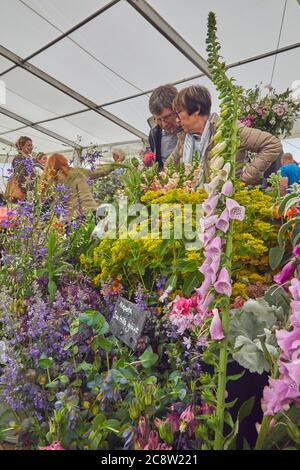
127 322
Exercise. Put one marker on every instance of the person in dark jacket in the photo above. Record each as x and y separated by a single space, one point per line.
163 136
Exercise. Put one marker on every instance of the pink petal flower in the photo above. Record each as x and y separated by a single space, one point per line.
236 212
291 372
296 251
211 203
206 284
56 445
207 235
289 341
295 289
223 284
295 317
286 273
214 247
277 396
211 187
216 329
210 221
223 222
188 414
227 189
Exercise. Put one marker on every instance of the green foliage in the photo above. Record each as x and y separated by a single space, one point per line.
255 346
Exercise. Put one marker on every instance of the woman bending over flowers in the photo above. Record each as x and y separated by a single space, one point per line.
75 180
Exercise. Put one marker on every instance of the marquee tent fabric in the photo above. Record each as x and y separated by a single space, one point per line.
80 73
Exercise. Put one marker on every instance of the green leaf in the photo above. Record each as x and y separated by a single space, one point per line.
275 256
277 297
172 281
235 377
64 379
45 362
250 356
95 320
231 404
112 425
228 419
284 228
103 343
52 288
53 384
148 359
192 281
246 409
98 421
229 442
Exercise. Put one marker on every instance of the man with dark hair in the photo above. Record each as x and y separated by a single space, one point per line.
193 108
163 137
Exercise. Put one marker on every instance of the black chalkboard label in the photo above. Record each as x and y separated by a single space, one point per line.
127 322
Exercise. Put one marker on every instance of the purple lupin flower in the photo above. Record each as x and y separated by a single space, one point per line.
236 212
286 273
223 284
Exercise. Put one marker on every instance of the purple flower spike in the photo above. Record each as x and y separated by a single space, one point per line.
286 273
216 329
210 204
223 222
227 188
223 284
236 212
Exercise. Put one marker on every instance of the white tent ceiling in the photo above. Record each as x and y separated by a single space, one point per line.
118 54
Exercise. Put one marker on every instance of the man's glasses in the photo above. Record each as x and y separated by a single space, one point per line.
165 118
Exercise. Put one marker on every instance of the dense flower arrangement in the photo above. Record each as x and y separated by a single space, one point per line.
67 383
273 112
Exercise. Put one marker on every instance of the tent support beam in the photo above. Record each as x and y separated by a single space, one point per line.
67 33
159 23
41 129
72 93
178 82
